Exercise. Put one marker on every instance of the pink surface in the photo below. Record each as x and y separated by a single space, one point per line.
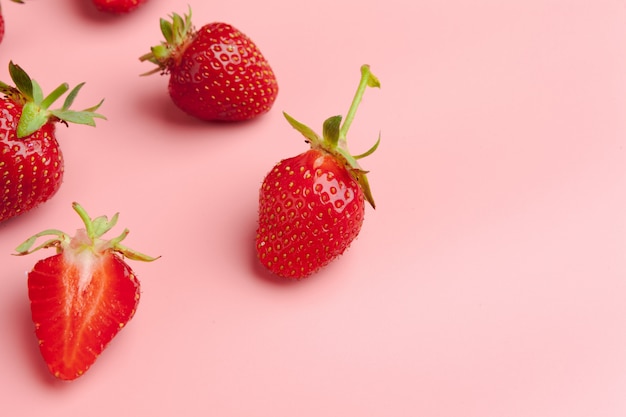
490 281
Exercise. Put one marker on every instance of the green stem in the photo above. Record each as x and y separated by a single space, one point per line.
367 80
86 220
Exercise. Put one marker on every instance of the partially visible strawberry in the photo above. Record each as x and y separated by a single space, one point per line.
117 6
216 73
2 19
83 296
311 206
31 162
1 24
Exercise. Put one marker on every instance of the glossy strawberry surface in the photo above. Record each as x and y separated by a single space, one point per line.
222 75
310 210
79 302
217 73
31 168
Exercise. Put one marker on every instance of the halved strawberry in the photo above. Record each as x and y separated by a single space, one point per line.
82 296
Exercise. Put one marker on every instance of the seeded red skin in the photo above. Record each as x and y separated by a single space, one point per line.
31 168
73 326
222 75
310 210
117 6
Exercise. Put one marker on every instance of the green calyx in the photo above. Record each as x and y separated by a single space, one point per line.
177 33
94 230
334 134
36 110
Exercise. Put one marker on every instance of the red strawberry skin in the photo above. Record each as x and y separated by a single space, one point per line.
31 168
117 6
1 25
83 296
222 75
310 210
77 312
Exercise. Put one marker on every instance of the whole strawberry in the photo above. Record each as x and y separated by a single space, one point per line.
82 296
2 20
31 162
311 206
216 73
117 6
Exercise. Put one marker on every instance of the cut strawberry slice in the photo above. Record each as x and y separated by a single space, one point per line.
82 296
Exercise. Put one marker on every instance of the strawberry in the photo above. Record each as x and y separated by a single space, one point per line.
2 20
216 73
82 296
117 6
1 24
31 162
311 206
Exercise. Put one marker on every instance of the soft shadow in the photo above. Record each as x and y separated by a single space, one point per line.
158 104
25 338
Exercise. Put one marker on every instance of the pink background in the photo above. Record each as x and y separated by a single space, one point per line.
490 281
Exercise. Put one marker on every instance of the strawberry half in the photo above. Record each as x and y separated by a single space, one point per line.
31 162
83 296
216 73
311 206
117 6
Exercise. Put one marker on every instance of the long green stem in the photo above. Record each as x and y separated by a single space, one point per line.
367 80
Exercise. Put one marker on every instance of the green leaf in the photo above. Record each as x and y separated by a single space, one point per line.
178 27
21 80
331 131
133 254
69 100
8 90
25 247
37 92
53 96
77 117
94 108
372 81
370 150
32 119
305 130
102 224
167 30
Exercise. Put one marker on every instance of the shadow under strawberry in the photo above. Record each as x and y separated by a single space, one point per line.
22 334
